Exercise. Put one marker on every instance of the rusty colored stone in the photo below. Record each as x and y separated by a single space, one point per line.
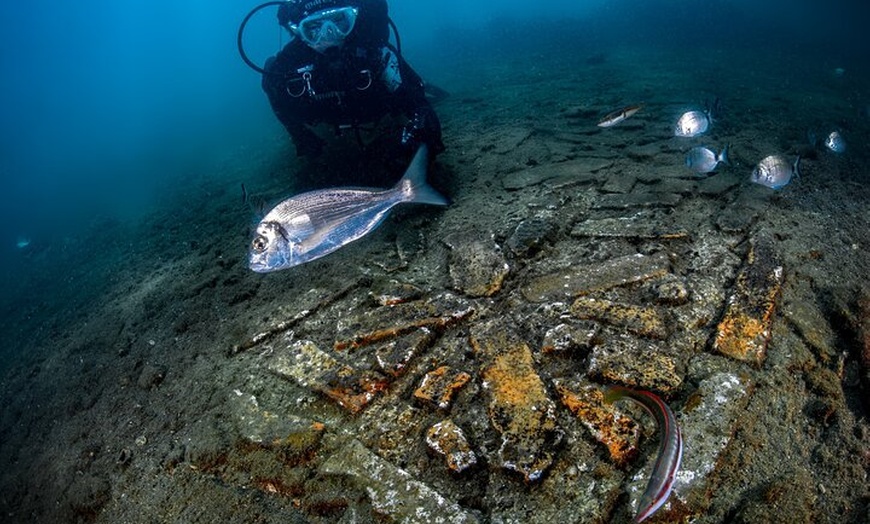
637 363
619 433
584 279
447 439
436 324
392 292
439 386
519 408
744 330
304 362
394 357
569 338
643 321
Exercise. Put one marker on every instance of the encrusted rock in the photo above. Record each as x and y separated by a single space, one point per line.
519 408
637 363
707 422
584 279
580 170
619 433
392 292
618 201
477 266
530 235
640 226
643 321
672 292
262 427
744 331
565 338
392 490
395 356
447 439
304 362
439 386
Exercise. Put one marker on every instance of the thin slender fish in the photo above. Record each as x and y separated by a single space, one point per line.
661 482
615 117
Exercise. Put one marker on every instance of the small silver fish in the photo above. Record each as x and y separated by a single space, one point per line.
775 171
703 160
835 142
615 117
313 224
692 123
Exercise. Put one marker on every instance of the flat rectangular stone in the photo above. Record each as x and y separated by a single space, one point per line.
619 183
641 226
744 330
305 363
637 363
636 200
644 321
584 279
392 490
519 407
579 169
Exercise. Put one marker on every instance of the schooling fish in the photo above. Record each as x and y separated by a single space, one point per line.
703 160
615 117
313 224
692 123
661 482
775 171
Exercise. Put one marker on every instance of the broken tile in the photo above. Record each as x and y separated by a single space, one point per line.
618 201
744 330
447 440
392 491
477 266
395 356
570 338
519 407
439 386
581 170
583 279
637 363
617 432
262 427
640 226
644 321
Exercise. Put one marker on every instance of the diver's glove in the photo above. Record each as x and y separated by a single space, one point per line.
423 129
307 143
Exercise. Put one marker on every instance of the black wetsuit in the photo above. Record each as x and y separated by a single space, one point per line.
347 86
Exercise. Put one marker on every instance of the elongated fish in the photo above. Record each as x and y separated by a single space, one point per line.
615 117
661 482
313 224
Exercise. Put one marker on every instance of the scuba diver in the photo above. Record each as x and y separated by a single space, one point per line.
340 69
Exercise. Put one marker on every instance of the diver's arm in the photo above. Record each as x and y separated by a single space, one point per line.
423 124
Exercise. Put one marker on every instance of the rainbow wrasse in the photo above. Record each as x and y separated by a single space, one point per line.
670 452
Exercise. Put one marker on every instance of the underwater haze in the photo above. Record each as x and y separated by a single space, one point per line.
150 376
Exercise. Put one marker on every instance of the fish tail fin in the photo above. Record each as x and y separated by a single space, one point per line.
413 185
797 163
723 156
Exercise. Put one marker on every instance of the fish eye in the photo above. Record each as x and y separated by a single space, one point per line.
259 244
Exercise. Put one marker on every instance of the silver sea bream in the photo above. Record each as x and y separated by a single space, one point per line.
704 160
313 224
692 123
775 171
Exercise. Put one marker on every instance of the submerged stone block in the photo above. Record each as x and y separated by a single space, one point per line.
605 423
265 428
477 266
439 386
643 226
584 279
448 440
636 363
395 356
305 363
392 491
630 200
744 330
519 408
644 321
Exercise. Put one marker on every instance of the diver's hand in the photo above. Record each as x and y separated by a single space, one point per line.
419 131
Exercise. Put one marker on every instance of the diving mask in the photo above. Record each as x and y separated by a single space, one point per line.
326 28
